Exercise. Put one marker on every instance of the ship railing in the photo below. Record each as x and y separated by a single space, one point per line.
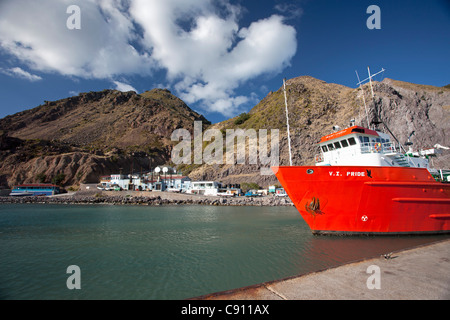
388 147
409 159
368 147
377 147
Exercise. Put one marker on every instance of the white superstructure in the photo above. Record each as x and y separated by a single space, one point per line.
358 146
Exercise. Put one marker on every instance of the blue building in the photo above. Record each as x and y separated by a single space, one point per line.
42 189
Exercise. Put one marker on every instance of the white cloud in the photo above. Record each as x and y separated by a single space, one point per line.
213 56
20 73
124 87
36 33
198 43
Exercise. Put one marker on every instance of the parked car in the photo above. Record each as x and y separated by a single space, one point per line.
252 193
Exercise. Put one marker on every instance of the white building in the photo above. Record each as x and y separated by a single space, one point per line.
147 182
280 192
207 188
212 188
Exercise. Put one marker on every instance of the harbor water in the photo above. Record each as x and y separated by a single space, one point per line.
165 252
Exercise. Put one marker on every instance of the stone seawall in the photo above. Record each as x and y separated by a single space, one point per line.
149 198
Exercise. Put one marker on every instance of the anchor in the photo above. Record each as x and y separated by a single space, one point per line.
313 207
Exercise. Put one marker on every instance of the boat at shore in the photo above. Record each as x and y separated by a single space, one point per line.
363 183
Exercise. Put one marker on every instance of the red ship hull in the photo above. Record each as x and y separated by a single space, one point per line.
367 200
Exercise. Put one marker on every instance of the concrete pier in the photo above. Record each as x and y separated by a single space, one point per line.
420 273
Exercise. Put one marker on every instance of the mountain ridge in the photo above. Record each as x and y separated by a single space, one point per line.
91 134
99 133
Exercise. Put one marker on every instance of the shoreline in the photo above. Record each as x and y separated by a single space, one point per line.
147 198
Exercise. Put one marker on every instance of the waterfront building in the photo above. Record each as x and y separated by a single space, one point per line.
213 188
41 189
145 182
280 192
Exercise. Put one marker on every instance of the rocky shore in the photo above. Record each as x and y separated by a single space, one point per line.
147 198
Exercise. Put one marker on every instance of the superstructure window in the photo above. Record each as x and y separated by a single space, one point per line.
352 141
363 139
344 143
324 148
330 146
337 145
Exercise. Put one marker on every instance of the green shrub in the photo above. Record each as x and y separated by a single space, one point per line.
242 118
249 186
59 178
40 177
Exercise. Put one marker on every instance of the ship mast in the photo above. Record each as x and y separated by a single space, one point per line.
364 99
287 122
376 121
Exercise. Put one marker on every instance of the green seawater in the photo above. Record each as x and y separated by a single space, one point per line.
166 252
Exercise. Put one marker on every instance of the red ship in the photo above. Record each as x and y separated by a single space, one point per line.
362 184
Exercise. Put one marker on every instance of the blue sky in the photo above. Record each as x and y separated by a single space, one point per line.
220 56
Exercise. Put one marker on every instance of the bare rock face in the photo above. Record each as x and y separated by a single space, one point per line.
72 168
423 111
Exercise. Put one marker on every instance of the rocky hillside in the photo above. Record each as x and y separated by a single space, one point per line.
83 137
407 107
316 106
